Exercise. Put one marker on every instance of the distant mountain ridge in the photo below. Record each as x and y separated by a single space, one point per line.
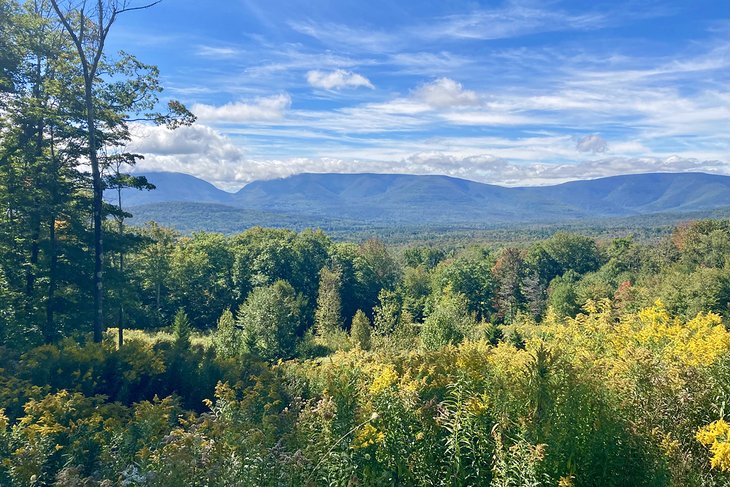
402 199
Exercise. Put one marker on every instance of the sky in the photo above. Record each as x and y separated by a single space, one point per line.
513 93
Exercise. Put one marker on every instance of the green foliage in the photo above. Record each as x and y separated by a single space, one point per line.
360 331
387 314
181 330
563 295
227 338
270 318
328 316
564 252
449 322
470 276
588 401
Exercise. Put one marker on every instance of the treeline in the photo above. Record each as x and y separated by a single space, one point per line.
323 283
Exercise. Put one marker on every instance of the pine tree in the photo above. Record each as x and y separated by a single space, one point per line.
181 330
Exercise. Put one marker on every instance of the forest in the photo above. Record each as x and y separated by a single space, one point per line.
140 356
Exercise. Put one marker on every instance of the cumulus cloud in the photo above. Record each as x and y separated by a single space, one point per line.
445 93
591 143
337 80
198 150
263 109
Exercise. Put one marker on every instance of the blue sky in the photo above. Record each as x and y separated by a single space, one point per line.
515 93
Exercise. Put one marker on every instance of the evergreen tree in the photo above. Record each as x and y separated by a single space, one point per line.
181 330
127 87
328 315
360 331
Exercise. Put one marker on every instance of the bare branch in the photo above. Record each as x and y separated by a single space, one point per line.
141 7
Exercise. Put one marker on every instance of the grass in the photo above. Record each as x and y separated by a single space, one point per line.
204 340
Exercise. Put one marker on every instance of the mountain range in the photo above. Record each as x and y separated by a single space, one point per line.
395 199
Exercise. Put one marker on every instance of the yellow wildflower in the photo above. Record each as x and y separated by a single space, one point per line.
367 436
387 377
716 436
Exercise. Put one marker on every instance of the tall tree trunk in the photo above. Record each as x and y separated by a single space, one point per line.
120 311
34 252
49 334
35 169
97 209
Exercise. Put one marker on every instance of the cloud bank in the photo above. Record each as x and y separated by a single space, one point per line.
206 153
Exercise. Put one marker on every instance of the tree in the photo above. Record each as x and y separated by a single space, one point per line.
572 252
328 316
118 181
270 317
151 265
106 106
360 331
534 291
563 295
181 330
9 57
470 276
508 272
387 313
380 263
227 337
39 174
415 289
201 280
449 322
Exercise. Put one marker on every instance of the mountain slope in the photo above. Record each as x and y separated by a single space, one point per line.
440 200
172 186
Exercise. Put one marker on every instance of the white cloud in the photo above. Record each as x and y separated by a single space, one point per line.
339 35
337 80
263 109
486 118
593 143
445 93
216 52
206 153
198 150
490 169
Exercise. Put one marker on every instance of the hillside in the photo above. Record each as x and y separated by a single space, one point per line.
337 201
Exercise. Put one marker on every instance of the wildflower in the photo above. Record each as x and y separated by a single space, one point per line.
385 380
716 436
